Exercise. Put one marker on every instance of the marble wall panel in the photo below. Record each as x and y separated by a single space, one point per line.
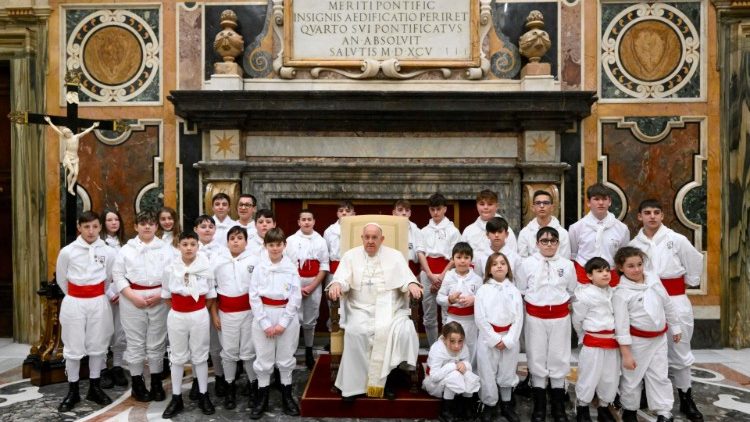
190 49
251 20
571 59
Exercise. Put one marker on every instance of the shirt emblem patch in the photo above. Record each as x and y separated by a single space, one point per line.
101 259
670 244
250 268
560 272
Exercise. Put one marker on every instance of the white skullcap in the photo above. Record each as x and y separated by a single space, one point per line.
373 224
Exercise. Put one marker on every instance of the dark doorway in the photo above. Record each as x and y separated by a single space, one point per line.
6 224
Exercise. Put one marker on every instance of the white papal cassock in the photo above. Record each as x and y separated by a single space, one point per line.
378 333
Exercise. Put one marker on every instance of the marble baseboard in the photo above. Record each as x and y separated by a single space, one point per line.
707 334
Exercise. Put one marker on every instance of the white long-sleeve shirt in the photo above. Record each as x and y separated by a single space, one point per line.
438 240
415 242
476 235
278 281
645 306
233 274
527 239
670 255
302 247
141 263
592 309
222 228
213 249
188 280
480 260
85 264
545 281
467 285
591 237
499 304
332 236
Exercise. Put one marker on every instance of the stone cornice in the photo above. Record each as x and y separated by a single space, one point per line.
280 110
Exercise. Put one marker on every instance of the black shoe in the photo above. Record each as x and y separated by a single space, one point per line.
558 405
664 419
583 414
118 376
488 413
107 380
96 394
252 391
261 404
288 405
348 399
327 347
230 400
539 412
139 391
389 390
629 415
604 415
617 404
220 386
71 399
195 392
446 410
309 358
157 389
174 407
276 383
524 387
508 411
688 407
205 405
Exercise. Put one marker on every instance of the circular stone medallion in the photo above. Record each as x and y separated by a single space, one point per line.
112 55
650 50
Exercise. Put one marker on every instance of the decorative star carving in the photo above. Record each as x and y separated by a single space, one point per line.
540 146
224 144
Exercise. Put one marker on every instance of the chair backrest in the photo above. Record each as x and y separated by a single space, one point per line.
395 230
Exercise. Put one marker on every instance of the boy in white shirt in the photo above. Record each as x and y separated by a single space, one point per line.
599 233
476 232
275 298
497 232
547 282
83 271
188 288
332 235
246 206
677 263
438 238
402 208
221 204
231 314
309 252
543 207
137 275
264 221
599 360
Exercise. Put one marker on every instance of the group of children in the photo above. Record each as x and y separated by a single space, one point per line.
241 291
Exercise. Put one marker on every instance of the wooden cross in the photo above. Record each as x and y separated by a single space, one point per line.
72 122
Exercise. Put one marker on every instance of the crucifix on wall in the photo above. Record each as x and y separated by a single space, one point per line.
67 127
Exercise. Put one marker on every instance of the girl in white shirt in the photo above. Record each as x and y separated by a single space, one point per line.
169 227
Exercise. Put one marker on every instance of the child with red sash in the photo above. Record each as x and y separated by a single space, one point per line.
499 318
599 360
678 263
188 287
438 238
276 299
547 282
457 294
231 314
309 252
645 320
402 208
84 272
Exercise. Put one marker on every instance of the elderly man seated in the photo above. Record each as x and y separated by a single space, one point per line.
375 282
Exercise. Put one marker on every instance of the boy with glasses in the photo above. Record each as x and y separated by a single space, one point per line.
246 206
543 207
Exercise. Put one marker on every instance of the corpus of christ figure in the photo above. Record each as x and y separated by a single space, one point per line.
70 158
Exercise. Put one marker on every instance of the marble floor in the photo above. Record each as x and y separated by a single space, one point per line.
721 388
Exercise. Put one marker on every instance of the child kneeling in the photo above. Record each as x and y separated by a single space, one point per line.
449 370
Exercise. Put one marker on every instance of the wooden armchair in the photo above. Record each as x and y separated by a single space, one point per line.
396 232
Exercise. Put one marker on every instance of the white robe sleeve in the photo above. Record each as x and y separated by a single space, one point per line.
523 243
580 309
622 320
442 295
344 274
673 318
61 270
259 312
486 332
291 310
438 372
573 239
511 339
165 276
118 272
692 259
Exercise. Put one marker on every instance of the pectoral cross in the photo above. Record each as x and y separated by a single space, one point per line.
369 271
67 126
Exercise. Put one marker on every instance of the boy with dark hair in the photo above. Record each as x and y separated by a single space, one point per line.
402 208
476 233
599 233
246 206
497 232
542 205
264 221
221 204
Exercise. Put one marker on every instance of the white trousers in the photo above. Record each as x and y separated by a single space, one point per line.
548 350
455 383
277 350
598 372
472 334
118 342
310 310
429 309
188 336
86 326
650 356
214 349
236 339
496 368
680 355
146 333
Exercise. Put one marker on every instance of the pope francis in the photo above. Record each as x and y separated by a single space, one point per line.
374 283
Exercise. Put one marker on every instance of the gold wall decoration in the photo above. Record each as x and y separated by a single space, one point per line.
112 55
650 50
231 188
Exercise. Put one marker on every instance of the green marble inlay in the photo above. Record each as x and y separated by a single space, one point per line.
652 126
694 205
153 199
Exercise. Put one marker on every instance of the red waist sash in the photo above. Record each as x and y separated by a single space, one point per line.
334 265
647 334
600 342
85 292
414 267
135 286
548 311
310 268
273 302
674 286
455 310
187 303
229 304
499 329
614 280
437 265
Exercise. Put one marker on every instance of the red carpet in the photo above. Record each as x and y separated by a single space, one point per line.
319 400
